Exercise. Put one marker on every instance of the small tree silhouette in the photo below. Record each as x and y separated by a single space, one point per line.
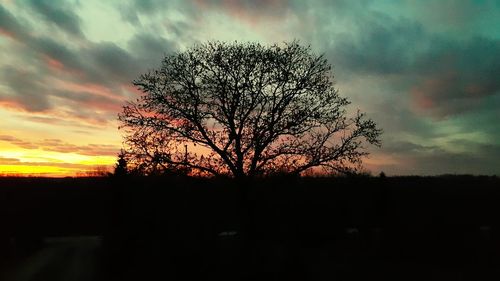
251 110
121 168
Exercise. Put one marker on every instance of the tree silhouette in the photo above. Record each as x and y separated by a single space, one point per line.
244 110
121 166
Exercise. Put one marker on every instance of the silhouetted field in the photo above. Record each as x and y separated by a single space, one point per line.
407 228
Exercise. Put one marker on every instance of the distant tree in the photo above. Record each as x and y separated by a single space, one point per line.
96 171
121 168
249 110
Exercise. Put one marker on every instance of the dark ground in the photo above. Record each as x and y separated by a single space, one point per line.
411 228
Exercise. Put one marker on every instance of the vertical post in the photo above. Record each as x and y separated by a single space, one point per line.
185 154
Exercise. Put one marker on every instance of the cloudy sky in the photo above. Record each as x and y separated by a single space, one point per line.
426 71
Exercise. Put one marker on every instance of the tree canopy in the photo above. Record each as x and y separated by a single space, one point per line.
243 110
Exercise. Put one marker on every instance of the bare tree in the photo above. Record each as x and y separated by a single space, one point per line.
249 109
96 171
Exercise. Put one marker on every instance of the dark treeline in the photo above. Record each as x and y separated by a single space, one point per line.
463 200
194 227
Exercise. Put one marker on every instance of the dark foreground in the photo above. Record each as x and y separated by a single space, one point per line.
445 228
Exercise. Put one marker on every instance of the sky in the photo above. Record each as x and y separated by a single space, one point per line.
427 72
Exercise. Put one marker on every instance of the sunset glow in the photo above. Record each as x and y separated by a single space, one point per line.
429 79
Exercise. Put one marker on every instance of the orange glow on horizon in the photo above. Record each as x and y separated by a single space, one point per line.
48 171
36 162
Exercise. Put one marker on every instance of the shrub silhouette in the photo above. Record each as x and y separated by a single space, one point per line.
121 166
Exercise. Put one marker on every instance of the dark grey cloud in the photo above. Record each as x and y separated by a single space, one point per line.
103 62
10 26
59 13
33 92
416 159
71 59
399 147
420 73
27 90
103 65
110 63
247 9
457 76
89 99
106 63
150 49
480 163
252 11
148 6
131 10
485 120
383 47
445 76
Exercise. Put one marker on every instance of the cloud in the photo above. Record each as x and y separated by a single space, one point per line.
250 11
132 10
59 13
410 158
444 75
459 17
58 145
399 147
102 63
28 93
39 94
149 49
97 76
110 63
9 161
89 100
18 142
57 121
103 72
70 60
457 77
9 25
17 162
381 47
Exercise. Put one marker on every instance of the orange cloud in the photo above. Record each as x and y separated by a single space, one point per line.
90 150
58 145
249 11
89 88
422 101
18 142
432 91
53 63
6 33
